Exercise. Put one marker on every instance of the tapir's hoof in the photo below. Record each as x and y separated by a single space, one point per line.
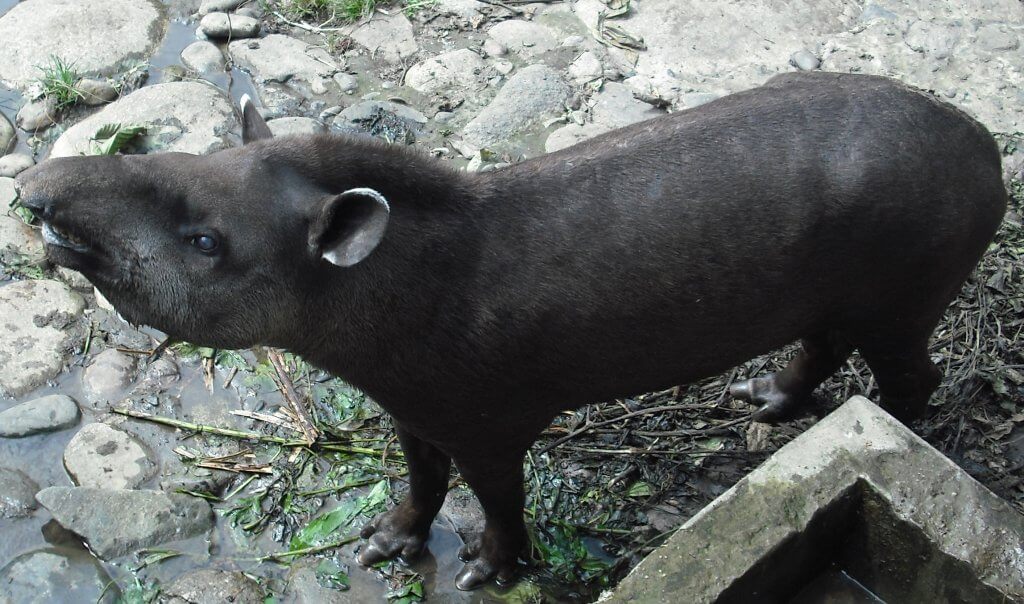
479 572
774 405
384 542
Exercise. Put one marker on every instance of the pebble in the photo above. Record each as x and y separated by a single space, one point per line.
219 6
225 25
106 458
331 112
203 57
56 575
389 37
18 241
533 94
586 67
493 48
346 82
44 414
37 115
804 60
318 86
15 163
212 586
286 126
573 41
504 67
39 320
523 37
7 135
17 494
118 522
96 92
105 379
459 70
74 279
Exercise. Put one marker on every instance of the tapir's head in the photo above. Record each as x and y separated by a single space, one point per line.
216 250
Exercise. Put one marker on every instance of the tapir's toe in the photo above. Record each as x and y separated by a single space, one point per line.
774 404
479 572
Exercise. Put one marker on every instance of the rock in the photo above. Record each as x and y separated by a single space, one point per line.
615 107
459 69
7 135
17 494
106 458
310 582
573 41
203 57
689 100
523 37
37 115
117 522
567 136
211 586
278 58
74 279
99 37
219 6
586 67
346 82
14 163
997 38
17 240
804 60
56 575
493 48
190 117
159 376
934 39
253 10
96 92
530 96
45 414
463 511
390 37
105 379
467 9
359 115
873 11
7 192
38 319
504 67
225 25
285 126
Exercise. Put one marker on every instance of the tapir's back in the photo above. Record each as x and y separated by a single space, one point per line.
818 201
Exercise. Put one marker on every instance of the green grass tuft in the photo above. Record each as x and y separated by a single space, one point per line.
58 82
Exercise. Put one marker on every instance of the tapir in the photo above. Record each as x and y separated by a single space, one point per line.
843 211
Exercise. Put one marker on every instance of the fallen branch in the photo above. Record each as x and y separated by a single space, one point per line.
302 415
204 429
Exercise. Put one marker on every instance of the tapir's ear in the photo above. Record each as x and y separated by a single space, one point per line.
349 226
254 127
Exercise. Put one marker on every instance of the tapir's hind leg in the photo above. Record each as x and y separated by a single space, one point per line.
906 375
782 395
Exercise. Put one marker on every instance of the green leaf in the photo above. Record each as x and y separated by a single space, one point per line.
110 138
329 574
322 528
639 489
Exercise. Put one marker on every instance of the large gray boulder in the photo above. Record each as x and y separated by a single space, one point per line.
39 323
190 117
459 70
280 58
388 37
7 135
117 522
97 37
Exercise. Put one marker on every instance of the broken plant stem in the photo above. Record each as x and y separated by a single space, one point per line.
288 388
305 551
209 429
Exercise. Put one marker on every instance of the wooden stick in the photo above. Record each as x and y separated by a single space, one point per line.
304 420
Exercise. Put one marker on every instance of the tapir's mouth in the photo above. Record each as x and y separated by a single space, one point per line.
59 237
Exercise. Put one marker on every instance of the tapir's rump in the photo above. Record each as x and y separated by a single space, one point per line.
840 210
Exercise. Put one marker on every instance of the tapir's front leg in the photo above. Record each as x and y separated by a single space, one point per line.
498 484
403 530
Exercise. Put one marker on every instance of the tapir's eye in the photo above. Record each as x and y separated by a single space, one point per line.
206 244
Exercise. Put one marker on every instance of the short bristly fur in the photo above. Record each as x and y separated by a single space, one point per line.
845 211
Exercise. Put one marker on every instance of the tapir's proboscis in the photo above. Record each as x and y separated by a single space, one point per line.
844 211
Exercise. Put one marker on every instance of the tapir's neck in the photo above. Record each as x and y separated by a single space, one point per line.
412 286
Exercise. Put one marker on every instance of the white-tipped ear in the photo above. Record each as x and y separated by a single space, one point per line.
254 127
349 226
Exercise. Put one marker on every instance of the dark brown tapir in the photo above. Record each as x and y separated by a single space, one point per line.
841 210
